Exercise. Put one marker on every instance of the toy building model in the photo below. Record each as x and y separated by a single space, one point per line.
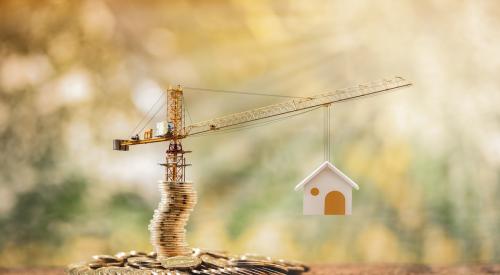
327 191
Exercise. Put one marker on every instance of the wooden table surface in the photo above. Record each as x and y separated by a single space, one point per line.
367 269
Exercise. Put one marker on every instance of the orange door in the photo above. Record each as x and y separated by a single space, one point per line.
335 203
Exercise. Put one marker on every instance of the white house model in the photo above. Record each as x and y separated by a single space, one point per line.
327 191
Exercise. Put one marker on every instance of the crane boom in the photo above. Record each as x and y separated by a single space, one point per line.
297 105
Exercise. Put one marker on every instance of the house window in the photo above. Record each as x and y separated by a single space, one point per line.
314 191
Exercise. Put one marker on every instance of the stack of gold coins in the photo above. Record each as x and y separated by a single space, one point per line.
168 233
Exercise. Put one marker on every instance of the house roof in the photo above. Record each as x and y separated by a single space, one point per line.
326 165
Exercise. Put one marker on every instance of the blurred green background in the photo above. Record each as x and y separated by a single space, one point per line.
76 74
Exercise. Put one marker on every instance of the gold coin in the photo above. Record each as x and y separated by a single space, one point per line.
105 258
180 262
96 264
210 260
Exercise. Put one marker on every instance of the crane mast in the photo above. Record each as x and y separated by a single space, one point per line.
175 164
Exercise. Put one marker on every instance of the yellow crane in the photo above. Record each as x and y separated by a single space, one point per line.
174 131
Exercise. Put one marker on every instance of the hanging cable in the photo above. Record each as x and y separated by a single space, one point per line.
326 133
153 116
329 133
333 133
187 110
147 113
241 92
253 125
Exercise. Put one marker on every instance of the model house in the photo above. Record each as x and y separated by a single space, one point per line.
327 191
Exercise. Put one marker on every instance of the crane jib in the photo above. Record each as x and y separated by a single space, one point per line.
297 105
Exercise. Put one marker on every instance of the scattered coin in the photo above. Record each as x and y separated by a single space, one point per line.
217 254
181 262
213 261
105 258
122 255
96 264
143 261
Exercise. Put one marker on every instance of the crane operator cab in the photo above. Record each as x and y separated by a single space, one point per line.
170 128
164 129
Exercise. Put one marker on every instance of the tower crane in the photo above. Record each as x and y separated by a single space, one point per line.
174 130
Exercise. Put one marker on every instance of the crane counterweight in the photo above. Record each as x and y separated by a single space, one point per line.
120 145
